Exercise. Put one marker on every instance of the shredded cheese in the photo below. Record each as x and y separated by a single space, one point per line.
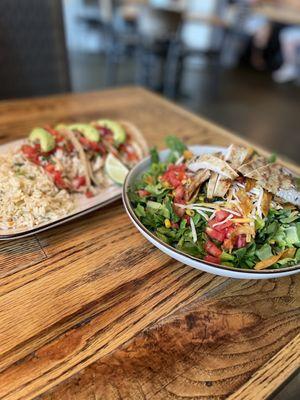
242 220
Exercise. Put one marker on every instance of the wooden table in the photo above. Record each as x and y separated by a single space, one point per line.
282 14
91 310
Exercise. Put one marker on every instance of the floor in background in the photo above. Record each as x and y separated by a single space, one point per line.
244 101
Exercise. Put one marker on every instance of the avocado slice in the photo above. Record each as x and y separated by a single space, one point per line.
46 140
87 131
117 130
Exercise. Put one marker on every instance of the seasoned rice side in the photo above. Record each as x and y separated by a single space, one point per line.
28 197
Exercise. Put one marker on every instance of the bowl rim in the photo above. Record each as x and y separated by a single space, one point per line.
129 210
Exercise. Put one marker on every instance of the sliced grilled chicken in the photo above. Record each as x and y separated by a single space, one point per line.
196 181
212 163
252 165
211 185
274 179
237 155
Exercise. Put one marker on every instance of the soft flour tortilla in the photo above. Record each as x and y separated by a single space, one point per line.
137 138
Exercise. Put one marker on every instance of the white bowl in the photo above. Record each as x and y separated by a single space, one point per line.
194 262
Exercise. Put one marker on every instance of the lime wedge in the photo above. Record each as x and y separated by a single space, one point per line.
115 169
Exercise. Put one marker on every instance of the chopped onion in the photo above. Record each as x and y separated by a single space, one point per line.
194 233
180 160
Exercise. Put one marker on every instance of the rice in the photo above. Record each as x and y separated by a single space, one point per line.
28 197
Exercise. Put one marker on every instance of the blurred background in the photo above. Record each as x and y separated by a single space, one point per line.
234 62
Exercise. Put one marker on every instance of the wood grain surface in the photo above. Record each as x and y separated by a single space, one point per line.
91 310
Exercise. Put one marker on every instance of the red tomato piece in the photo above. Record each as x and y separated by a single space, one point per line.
79 181
216 235
220 227
28 150
174 225
188 219
143 193
212 249
229 231
31 153
59 181
88 144
49 168
240 241
221 215
89 194
174 175
212 259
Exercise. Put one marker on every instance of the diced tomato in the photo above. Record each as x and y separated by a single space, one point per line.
216 235
219 227
28 150
211 259
221 215
174 181
223 226
174 175
229 231
240 241
129 152
49 168
31 153
89 194
79 181
37 147
174 225
188 219
212 249
88 144
132 156
143 193
59 181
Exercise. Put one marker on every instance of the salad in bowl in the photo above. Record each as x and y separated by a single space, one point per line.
231 208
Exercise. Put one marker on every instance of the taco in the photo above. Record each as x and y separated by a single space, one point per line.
90 141
60 156
123 140
104 137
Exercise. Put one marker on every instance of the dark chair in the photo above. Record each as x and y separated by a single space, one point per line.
119 34
180 50
157 28
33 58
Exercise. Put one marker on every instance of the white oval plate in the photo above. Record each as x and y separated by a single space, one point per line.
202 265
83 205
